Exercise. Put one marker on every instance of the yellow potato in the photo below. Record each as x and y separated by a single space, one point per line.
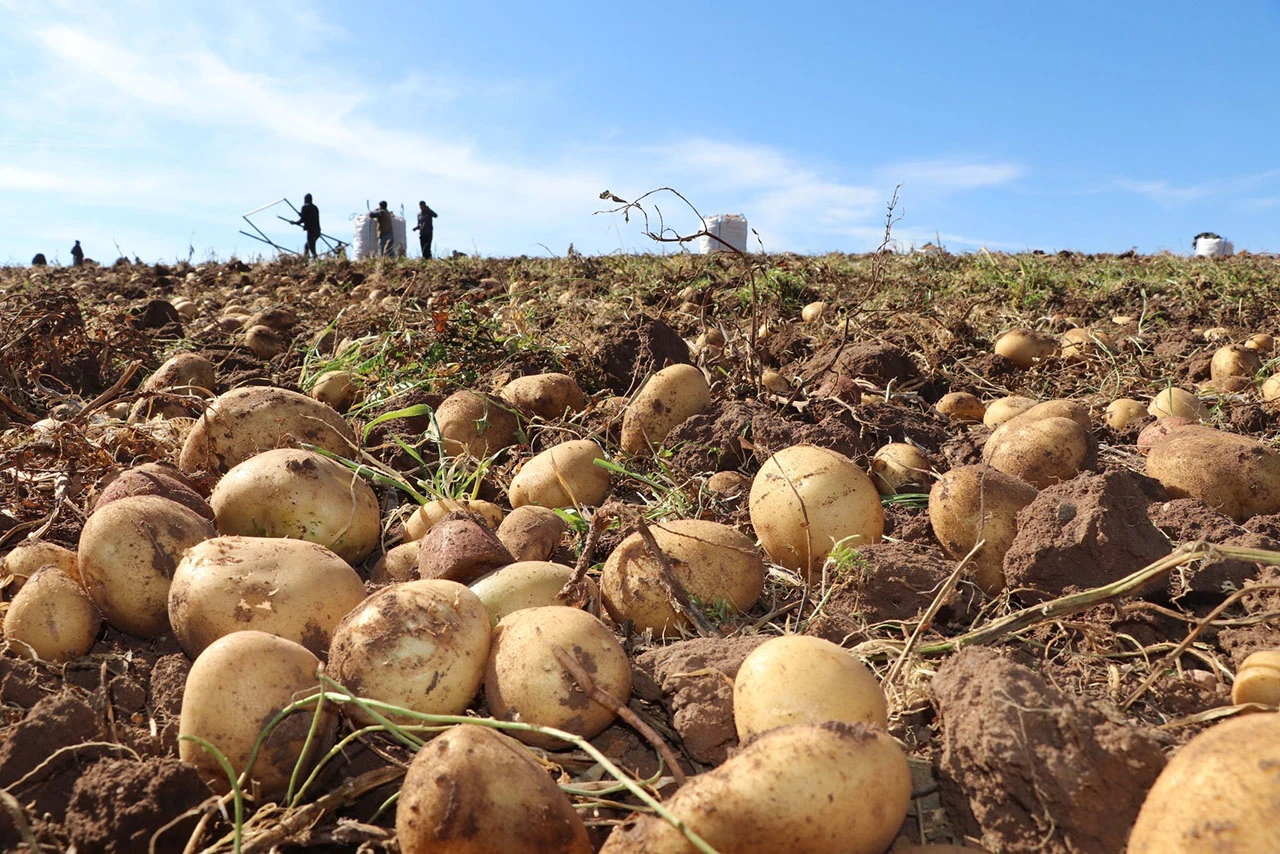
475 424
28 556
1177 401
1001 410
1236 475
1041 451
1025 347
901 468
523 584
550 396
427 515
52 617
1080 344
532 533
398 564
1234 360
973 503
1123 411
339 389
1258 680
564 475
670 397
962 406
183 373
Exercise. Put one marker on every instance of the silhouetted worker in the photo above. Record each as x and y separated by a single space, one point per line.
77 255
425 227
386 223
309 219
39 260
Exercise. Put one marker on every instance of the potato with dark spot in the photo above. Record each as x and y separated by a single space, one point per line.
671 396
52 617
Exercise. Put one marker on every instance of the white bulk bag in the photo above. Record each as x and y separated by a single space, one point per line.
364 243
1212 246
731 228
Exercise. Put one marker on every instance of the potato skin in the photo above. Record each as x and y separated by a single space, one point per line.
472 790
1025 347
291 588
548 396
672 396
1258 679
830 788
475 424
978 502
1234 474
52 616
523 584
28 556
563 475
1219 792
1041 451
532 533
715 564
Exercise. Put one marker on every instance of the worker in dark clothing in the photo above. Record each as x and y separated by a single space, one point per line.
77 255
309 219
425 227
386 223
39 260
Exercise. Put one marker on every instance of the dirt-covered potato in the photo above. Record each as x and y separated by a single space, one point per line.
1236 475
670 397
901 468
1080 344
1123 411
564 475
420 645
291 588
183 373
421 520
1041 451
28 556
238 684
524 584
961 406
728 484
1262 342
1025 347
799 789
475 424
339 389
460 548
1258 679
548 396
1219 792
532 533
140 481
398 564
525 681
128 553
289 492
972 503
1234 360
1002 409
805 499
803 679
247 421
472 790
52 617
718 567
1180 402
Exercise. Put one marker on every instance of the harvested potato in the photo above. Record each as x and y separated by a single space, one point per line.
1234 360
128 553
1258 679
292 588
717 566
1081 344
1123 411
1180 402
1219 792
1025 347
803 679
812 312
524 681
550 396
139 481
972 503
475 424
265 342
805 499
901 468
1158 430
1236 475
339 389
1041 451
564 475
52 617
961 406
790 790
1263 343
289 492
532 533
472 790
525 584
1002 409
247 421
238 684
28 556
671 396
1056 408
417 525
397 564
183 373
728 484
1271 388
461 549
420 645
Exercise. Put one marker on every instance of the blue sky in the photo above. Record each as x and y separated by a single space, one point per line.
1089 126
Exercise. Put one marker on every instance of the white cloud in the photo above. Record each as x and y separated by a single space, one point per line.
948 176
1162 192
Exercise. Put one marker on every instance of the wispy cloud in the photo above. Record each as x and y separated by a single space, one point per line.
1169 194
949 176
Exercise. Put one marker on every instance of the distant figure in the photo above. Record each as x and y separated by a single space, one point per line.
309 219
386 223
39 260
425 227
77 255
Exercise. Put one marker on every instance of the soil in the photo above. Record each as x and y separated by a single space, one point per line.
1044 739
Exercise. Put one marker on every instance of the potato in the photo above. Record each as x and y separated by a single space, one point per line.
472 790
532 533
523 680
265 342
564 475
1219 792
28 556
1234 360
1271 388
476 424
1123 411
1025 347
247 421
138 481
550 396
728 484
238 684
460 548
1080 344
289 492
339 389
524 584
128 553
1056 408
805 499
901 468
717 566
417 525
1001 410
291 588
183 373
52 617
398 564
961 406
1177 401
792 789
670 397
801 679
1236 475
812 312
420 645
1258 680
1041 451
1261 343
973 503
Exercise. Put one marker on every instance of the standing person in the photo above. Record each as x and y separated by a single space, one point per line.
309 219
425 227
386 223
77 255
